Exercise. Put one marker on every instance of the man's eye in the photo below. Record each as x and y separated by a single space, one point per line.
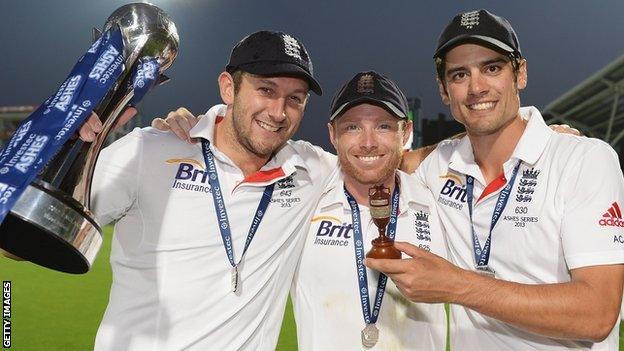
266 90
350 127
458 76
385 126
493 68
296 99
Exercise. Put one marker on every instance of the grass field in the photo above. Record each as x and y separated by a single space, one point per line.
58 311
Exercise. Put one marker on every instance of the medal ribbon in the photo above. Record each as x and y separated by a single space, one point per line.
482 255
370 318
222 217
40 136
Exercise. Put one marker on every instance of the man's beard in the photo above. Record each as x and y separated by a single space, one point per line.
242 133
367 178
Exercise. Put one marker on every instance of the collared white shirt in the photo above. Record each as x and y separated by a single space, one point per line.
325 291
564 212
171 276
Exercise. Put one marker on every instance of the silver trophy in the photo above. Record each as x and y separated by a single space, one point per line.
51 224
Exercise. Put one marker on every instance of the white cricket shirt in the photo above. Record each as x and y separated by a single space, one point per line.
171 277
325 291
564 212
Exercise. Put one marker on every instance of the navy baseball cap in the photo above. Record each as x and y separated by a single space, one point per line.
370 87
270 53
479 26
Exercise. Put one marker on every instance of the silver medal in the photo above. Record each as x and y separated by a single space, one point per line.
234 278
370 335
486 271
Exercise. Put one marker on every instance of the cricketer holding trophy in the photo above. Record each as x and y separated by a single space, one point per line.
45 177
208 235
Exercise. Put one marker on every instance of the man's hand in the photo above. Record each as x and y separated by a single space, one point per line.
585 308
565 129
412 158
93 125
180 122
425 277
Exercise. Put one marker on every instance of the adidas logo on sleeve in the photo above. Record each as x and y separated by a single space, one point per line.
613 217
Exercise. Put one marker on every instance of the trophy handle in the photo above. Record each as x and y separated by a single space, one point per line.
82 191
71 170
162 79
95 34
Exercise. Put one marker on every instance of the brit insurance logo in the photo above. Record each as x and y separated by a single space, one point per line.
331 231
190 176
453 192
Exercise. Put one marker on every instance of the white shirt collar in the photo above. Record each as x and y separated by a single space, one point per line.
535 137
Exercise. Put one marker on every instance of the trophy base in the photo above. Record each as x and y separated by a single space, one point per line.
52 230
383 248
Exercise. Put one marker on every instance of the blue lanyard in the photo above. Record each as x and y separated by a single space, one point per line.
222 217
482 255
370 318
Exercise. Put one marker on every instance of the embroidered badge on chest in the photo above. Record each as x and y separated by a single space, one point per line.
422 229
527 184
285 195
524 214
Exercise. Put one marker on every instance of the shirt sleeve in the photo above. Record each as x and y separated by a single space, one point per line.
592 225
115 180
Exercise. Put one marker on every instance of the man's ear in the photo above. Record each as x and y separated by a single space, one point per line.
443 92
226 88
522 74
332 134
407 131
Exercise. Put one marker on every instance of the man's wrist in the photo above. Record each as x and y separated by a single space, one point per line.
468 285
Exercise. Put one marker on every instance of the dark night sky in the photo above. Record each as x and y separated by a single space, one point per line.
563 41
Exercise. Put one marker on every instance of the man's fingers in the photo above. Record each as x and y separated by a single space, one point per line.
408 248
180 122
185 118
184 123
125 116
412 159
160 124
89 128
86 133
388 267
179 131
93 125
565 129
94 122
